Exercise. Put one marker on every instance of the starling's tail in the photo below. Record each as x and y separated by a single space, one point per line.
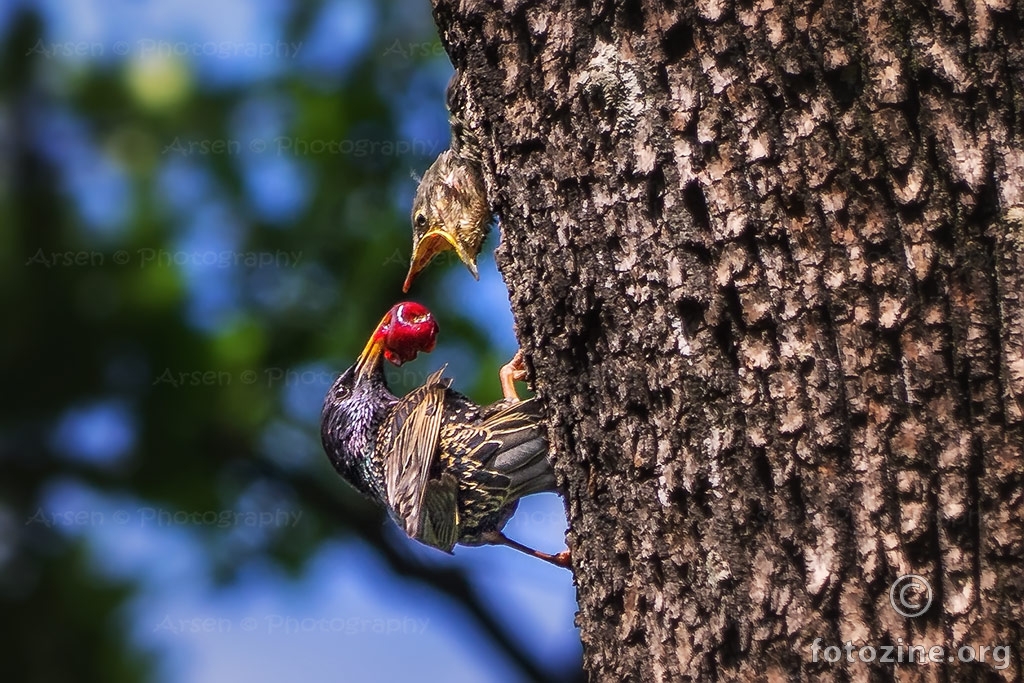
521 448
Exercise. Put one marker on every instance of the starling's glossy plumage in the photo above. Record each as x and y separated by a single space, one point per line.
450 210
455 470
449 471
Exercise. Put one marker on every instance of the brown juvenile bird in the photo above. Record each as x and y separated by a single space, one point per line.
449 471
450 210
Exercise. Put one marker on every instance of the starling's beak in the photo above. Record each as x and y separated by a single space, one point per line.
370 358
435 241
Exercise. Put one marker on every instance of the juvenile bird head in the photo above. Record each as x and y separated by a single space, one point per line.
450 211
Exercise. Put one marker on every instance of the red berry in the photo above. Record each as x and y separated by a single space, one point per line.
410 330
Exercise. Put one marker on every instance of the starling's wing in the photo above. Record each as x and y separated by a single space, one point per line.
416 426
439 526
510 448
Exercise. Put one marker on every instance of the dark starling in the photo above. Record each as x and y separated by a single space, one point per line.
450 210
450 471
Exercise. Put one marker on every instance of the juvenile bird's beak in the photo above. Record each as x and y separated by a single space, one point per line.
435 241
373 351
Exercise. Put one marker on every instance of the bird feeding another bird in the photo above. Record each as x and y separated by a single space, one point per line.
448 470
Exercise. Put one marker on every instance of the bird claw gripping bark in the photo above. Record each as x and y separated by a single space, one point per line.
510 373
562 559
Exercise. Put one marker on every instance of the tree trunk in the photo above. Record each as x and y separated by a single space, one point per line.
766 261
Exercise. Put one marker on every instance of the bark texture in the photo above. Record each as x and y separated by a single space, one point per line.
766 261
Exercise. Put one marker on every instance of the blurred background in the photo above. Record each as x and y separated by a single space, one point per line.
203 213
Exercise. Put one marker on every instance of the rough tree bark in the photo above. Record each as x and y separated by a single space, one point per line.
766 261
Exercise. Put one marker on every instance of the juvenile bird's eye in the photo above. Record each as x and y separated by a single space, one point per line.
421 220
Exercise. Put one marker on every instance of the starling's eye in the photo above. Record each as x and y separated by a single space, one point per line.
421 220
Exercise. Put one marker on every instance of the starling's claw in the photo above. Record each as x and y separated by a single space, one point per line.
510 373
561 559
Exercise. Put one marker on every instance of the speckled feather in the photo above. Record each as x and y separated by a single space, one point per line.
450 208
448 469
465 142
456 469
452 194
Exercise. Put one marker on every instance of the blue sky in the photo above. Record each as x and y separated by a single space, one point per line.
345 617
